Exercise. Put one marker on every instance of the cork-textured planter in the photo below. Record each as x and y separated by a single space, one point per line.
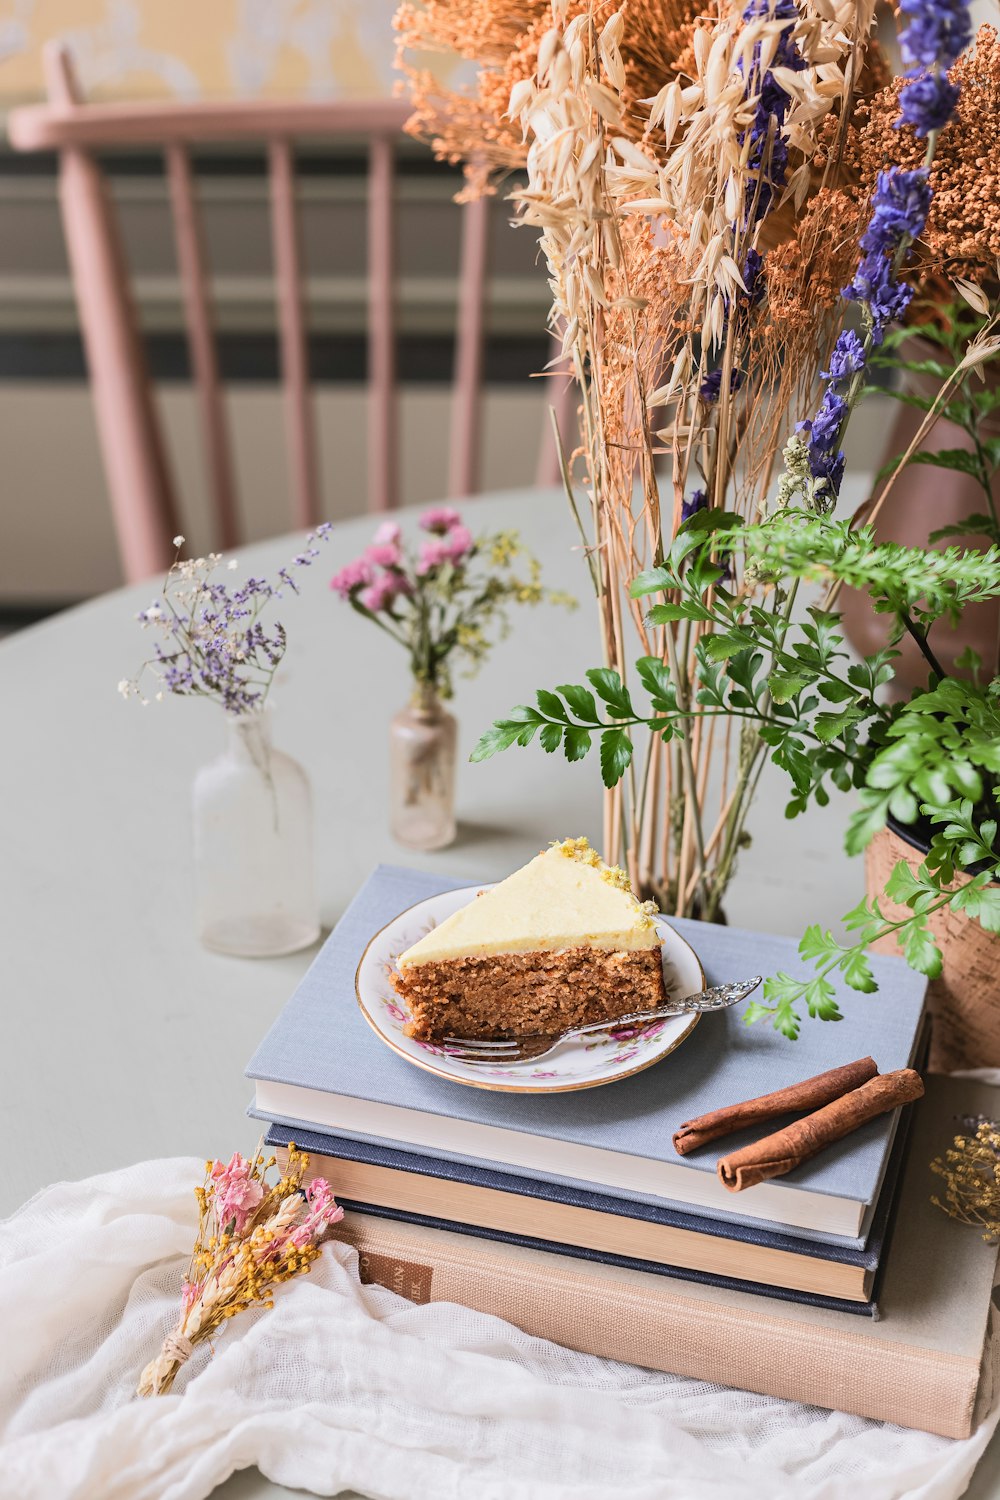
965 1001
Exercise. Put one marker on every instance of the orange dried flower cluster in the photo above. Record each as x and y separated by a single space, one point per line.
806 274
503 41
962 234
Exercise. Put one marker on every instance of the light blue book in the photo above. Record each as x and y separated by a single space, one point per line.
322 1066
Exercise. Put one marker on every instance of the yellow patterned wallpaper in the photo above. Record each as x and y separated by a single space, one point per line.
202 48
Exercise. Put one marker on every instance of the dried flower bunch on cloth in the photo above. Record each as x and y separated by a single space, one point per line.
447 600
211 642
252 1235
344 1387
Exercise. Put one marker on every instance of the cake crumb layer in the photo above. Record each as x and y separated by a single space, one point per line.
521 993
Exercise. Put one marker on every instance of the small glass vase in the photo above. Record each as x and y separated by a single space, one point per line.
422 741
254 877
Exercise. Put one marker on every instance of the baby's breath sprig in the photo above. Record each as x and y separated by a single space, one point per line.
971 1172
252 1235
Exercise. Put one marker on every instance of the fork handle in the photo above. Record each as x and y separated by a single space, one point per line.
719 997
640 1017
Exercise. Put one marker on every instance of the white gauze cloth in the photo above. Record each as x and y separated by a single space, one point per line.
341 1386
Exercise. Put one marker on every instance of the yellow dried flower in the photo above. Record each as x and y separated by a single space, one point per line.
971 1171
581 850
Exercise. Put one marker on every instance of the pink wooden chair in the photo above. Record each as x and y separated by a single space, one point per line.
135 460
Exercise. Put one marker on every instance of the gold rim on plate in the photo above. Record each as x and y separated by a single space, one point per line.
512 1088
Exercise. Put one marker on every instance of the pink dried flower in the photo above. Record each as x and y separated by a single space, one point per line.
319 1195
324 1210
190 1292
440 518
440 592
458 543
383 590
221 1173
453 547
433 555
353 576
387 535
237 1193
384 555
240 1255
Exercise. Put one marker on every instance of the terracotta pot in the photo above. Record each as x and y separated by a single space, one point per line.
964 1003
925 499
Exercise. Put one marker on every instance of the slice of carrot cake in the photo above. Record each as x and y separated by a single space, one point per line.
561 942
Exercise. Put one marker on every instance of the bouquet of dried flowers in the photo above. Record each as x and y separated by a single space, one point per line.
732 254
447 600
727 197
252 1235
211 639
971 1171
674 156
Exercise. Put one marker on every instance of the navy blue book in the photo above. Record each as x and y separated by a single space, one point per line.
321 1066
490 1204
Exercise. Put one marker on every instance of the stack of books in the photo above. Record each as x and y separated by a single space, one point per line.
571 1215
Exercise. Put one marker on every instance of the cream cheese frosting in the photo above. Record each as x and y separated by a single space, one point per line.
566 897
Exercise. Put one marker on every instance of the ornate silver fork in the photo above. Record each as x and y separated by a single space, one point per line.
526 1047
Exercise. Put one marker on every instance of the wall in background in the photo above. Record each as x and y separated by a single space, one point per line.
57 542
185 48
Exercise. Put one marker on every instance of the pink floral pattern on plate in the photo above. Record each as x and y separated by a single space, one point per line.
577 1064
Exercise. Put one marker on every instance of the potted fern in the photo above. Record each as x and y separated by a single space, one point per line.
930 764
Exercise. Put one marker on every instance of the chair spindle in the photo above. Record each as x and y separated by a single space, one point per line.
294 351
191 262
382 414
467 384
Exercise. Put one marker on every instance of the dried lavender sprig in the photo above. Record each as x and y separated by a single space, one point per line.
937 33
936 36
766 165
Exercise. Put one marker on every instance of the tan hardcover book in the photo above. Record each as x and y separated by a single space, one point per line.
921 1364
495 1210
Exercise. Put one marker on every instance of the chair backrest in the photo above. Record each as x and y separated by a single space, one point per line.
135 460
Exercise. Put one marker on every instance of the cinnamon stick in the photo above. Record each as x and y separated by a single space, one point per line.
810 1094
786 1149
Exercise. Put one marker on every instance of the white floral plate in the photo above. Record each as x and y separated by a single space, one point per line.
582 1064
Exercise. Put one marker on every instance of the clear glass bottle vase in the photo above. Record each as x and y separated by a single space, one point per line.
422 742
254 876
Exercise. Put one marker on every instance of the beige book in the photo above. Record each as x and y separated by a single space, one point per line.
920 1364
497 1210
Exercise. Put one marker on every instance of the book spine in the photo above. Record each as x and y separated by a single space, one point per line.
641 1319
